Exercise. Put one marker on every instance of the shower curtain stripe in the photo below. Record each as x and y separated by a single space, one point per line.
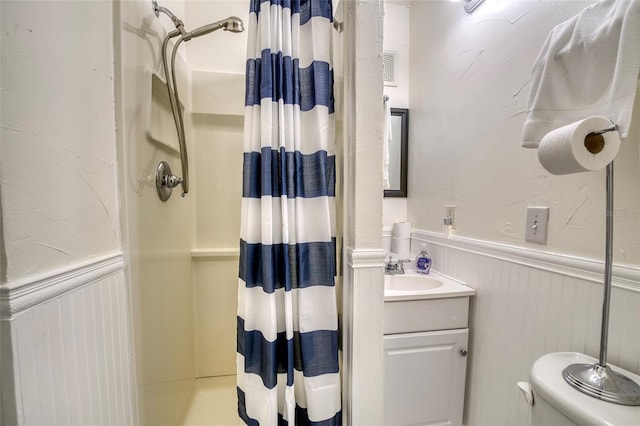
287 327
305 9
306 176
310 232
315 354
310 264
308 90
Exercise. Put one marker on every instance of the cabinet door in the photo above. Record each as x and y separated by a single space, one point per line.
424 377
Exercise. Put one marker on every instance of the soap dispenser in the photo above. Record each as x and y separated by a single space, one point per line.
423 261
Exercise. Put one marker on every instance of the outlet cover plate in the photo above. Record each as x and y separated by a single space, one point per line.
450 216
537 224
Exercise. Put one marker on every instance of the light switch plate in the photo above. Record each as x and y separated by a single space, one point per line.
536 226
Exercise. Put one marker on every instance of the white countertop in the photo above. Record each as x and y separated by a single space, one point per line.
450 288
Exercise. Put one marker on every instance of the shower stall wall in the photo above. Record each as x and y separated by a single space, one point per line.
158 236
182 254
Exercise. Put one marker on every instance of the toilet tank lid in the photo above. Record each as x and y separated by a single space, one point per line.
548 383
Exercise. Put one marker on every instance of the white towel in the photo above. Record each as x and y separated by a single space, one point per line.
386 138
588 66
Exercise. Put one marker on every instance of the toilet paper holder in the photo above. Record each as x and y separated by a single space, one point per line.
594 142
598 380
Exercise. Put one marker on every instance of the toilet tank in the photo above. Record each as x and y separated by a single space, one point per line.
556 403
545 414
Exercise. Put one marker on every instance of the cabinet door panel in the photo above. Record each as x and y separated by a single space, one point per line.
425 377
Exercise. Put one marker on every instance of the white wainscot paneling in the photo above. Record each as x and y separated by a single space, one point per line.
528 305
71 354
362 330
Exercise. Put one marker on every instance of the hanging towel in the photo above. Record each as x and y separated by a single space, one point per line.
386 139
588 66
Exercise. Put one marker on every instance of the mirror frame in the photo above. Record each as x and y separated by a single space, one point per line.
403 113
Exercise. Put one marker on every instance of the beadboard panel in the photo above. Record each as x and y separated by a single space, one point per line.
363 295
522 311
71 358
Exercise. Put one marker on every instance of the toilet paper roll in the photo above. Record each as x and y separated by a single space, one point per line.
401 230
563 151
401 245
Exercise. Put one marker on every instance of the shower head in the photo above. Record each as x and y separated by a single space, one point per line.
232 23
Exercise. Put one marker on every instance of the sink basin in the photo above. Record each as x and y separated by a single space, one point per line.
416 302
410 283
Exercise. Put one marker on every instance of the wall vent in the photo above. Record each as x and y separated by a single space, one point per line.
389 68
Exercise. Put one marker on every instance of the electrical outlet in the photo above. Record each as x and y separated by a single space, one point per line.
536 226
449 216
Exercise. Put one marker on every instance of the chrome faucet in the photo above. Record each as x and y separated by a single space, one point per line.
395 267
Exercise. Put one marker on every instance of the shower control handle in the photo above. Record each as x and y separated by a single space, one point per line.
166 180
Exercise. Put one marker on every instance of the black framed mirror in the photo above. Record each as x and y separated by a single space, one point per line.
398 153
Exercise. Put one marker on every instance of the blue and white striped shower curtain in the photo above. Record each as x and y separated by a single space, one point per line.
287 356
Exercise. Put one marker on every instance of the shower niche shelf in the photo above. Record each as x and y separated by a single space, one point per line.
159 124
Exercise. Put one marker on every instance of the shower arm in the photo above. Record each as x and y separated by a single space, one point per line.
176 21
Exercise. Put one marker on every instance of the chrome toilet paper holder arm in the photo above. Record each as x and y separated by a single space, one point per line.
594 141
614 127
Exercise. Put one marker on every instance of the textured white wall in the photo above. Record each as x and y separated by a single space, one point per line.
470 79
396 38
59 202
365 112
363 255
66 355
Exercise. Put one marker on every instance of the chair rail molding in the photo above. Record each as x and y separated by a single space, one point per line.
627 277
20 295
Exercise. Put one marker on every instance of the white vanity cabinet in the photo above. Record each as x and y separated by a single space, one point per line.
424 377
425 355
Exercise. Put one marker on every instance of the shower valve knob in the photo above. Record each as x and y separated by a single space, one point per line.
172 181
165 181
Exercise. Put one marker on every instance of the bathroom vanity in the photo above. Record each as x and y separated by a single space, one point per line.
425 348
